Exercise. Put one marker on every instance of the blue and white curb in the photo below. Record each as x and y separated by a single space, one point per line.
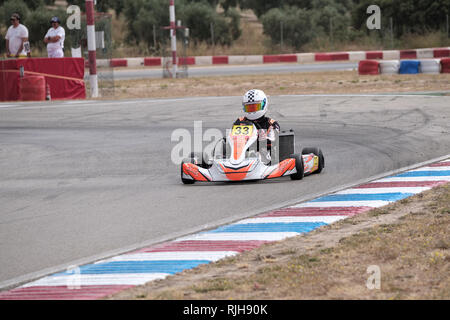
105 277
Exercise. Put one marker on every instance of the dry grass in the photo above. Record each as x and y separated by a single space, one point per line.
293 83
408 241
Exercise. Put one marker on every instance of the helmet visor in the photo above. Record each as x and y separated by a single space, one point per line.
253 107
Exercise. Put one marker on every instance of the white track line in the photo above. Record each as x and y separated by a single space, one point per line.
362 203
173 255
324 219
75 280
242 236
443 168
405 179
384 190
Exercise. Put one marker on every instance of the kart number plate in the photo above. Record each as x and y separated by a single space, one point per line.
242 130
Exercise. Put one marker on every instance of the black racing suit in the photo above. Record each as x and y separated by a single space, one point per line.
264 125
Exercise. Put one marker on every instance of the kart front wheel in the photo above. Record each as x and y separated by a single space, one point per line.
299 166
184 180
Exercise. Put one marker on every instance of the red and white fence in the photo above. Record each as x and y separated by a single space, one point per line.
427 53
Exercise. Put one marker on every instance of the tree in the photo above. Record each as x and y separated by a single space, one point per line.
101 5
331 18
13 6
34 4
296 22
407 15
142 15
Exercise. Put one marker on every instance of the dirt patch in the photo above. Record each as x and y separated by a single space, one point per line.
408 241
338 82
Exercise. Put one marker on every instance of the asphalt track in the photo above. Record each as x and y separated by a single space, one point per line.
83 180
228 70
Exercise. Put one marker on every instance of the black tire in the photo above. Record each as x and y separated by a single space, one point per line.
299 166
186 181
318 153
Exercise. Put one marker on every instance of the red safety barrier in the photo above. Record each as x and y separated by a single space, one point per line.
322 57
374 55
288 58
32 88
366 67
270 59
186 60
65 77
118 63
220 60
408 54
334 56
441 53
151 61
445 65
339 56
279 58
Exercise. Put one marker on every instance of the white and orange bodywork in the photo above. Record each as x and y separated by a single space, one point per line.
239 167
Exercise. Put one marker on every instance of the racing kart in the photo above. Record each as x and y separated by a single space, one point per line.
242 158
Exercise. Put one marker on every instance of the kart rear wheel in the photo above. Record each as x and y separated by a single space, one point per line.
186 181
299 166
318 153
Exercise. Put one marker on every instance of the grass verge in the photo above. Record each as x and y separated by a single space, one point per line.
408 241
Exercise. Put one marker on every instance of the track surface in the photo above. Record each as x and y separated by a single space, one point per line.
85 180
196 71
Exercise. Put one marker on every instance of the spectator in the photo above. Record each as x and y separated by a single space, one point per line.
17 44
54 38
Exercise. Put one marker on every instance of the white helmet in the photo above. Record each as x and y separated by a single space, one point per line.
255 104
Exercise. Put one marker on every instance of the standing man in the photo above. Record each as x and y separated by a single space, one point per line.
54 38
17 44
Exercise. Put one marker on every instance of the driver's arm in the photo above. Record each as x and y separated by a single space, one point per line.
238 121
270 132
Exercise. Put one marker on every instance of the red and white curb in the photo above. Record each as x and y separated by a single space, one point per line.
425 53
109 276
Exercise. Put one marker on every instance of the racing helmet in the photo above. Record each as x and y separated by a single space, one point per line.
255 104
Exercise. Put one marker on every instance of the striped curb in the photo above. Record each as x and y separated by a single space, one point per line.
426 53
109 276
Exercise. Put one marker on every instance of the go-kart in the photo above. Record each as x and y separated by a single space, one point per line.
243 157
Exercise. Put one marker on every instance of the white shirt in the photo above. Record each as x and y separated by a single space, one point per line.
58 45
15 36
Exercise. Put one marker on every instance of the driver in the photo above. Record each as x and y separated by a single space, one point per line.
255 105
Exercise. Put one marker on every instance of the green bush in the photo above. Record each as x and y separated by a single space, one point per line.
296 23
408 16
142 15
12 6
198 17
235 19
